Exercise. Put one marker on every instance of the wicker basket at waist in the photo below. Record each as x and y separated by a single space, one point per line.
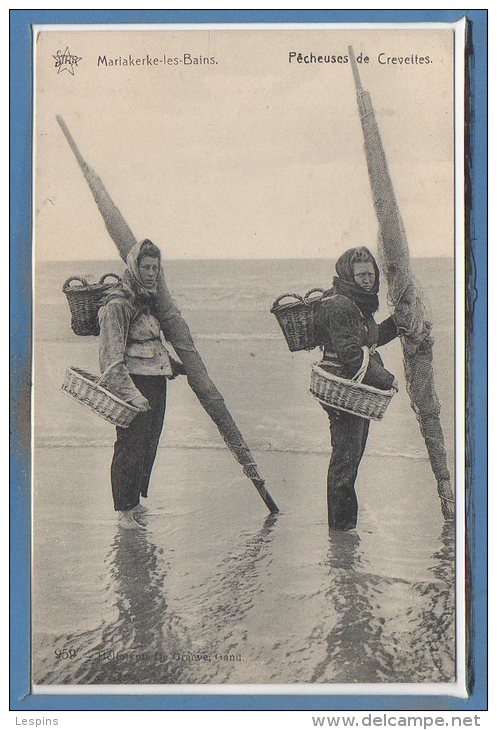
84 302
297 319
352 395
87 389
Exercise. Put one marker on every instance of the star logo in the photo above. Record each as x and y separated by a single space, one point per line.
66 61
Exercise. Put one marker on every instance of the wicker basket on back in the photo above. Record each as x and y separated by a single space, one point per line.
297 319
87 389
84 302
352 395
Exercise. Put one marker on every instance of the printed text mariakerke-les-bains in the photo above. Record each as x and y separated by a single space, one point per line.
186 59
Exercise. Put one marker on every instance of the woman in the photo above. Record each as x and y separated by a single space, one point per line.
130 342
345 326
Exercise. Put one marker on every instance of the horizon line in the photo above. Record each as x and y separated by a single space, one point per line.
260 258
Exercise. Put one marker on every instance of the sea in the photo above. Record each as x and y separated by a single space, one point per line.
213 590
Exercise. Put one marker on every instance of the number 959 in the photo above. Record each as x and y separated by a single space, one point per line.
65 653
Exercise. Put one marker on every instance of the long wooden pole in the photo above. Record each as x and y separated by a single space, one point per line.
175 330
410 313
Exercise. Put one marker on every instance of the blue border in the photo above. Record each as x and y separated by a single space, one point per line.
20 358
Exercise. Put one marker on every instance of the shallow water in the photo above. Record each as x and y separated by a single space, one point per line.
259 599
212 590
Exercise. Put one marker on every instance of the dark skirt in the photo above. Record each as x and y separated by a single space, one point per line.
136 446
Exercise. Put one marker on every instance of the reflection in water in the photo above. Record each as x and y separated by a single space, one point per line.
138 639
360 625
387 629
145 632
141 639
224 602
432 615
350 643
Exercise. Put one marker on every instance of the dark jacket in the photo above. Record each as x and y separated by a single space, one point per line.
344 330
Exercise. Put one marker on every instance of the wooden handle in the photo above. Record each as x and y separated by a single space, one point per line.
70 140
355 70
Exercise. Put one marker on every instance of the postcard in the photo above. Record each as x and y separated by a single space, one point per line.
248 405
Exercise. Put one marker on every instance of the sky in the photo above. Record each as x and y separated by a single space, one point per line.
252 156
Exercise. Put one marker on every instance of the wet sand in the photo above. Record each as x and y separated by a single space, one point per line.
254 599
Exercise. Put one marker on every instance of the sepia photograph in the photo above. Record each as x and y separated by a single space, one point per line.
248 360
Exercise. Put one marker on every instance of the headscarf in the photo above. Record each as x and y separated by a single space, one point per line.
131 286
133 270
344 283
